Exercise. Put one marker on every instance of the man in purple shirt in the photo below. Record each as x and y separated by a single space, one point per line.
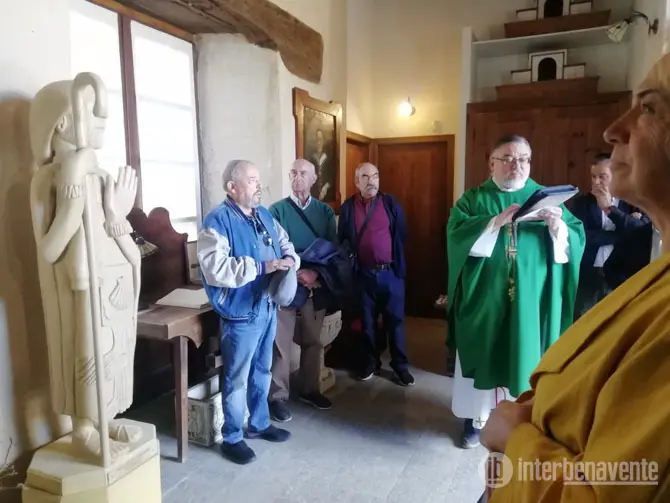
373 226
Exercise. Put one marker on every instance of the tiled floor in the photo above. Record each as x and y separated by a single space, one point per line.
379 443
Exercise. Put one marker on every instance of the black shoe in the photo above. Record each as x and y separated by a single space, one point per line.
238 452
279 411
470 437
317 400
403 377
271 434
367 373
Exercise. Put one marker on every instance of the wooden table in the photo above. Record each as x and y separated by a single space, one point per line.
176 326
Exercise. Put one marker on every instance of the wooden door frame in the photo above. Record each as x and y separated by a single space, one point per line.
363 141
448 139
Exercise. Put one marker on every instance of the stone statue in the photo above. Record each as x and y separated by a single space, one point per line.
89 265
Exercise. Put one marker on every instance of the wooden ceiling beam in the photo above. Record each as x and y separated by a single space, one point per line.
261 22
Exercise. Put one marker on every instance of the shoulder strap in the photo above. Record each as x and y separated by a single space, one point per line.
368 215
302 215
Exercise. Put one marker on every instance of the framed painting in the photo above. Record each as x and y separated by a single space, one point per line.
318 127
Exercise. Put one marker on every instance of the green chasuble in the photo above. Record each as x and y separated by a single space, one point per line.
504 311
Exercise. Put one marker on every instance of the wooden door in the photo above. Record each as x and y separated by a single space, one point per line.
575 136
419 173
358 151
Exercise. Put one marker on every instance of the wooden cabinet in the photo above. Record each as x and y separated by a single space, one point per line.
564 134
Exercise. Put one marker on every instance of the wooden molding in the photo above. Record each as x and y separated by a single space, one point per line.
415 139
587 86
260 21
301 101
561 100
145 19
358 138
557 24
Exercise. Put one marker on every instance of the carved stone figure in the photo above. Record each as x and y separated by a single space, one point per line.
89 266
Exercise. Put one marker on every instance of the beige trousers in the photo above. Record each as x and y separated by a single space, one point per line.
303 327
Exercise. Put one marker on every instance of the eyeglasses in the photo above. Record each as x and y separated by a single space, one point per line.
508 160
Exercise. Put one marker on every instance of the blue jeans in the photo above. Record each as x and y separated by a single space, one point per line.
382 292
246 349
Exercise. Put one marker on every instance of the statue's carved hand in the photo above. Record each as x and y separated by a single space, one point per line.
120 195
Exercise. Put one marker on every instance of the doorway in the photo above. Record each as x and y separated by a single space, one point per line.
418 172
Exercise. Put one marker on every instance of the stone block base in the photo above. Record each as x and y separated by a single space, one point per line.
57 475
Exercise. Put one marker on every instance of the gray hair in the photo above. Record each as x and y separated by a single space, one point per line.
361 166
232 171
511 138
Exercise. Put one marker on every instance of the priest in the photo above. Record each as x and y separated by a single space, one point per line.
511 287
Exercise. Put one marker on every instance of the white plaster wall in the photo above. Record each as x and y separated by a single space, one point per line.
645 49
34 50
328 17
239 112
360 44
245 99
492 72
417 52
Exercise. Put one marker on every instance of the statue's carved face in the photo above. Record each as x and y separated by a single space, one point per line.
641 139
95 132
95 126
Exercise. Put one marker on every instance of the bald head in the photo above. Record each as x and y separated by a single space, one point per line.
302 176
367 180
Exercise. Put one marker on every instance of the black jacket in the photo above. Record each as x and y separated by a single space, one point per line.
332 264
585 207
629 256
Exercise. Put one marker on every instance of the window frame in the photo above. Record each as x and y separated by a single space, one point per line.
126 16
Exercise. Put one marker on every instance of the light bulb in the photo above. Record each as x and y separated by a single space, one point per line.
406 109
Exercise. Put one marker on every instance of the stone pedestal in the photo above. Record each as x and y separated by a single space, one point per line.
57 475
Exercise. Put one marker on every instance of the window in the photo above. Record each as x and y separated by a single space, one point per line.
152 124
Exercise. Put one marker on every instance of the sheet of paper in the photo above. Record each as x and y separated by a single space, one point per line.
185 297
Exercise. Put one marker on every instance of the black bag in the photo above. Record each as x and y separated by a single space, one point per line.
301 214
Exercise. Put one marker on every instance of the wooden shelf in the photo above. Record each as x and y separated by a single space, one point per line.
587 86
547 25
560 40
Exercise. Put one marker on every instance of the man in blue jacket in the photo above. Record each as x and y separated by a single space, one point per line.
373 226
240 248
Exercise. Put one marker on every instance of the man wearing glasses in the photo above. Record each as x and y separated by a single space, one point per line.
305 218
373 227
511 285
242 252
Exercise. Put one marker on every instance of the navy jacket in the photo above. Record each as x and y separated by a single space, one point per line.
629 256
585 207
334 268
347 235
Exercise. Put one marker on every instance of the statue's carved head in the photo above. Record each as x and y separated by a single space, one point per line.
55 116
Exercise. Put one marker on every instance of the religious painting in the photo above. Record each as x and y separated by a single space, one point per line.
318 128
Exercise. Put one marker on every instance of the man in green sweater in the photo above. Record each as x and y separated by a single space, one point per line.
304 218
